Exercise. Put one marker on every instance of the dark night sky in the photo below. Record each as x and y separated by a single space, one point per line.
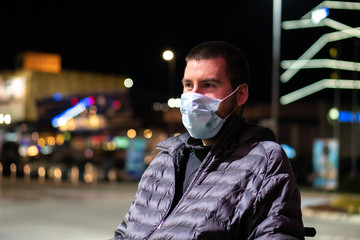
116 37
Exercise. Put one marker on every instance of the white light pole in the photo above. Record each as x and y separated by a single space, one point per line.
276 64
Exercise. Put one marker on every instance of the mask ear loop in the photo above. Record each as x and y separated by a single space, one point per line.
230 113
228 96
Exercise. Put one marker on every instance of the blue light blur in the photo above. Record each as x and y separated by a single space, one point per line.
57 96
75 110
290 152
326 10
349 117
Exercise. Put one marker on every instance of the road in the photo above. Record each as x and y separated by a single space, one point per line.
32 211
334 230
63 212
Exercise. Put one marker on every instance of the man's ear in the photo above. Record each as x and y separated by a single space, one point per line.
242 94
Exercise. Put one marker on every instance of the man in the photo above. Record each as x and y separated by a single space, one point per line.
225 178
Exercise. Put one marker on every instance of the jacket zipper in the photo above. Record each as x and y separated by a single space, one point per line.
201 170
167 212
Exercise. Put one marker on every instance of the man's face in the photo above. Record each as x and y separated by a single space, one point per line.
207 77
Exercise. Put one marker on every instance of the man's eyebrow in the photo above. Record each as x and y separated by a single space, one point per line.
206 80
214 80
185 80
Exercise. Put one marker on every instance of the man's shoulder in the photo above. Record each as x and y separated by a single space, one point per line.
261 140
172 143
251 133
260 132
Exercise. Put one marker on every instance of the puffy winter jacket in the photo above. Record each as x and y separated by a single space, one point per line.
244 189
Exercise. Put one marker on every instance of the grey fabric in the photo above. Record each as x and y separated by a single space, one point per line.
244 189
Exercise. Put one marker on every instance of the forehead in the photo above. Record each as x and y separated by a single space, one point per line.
206 68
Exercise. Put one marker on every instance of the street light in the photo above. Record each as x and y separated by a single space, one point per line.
169 56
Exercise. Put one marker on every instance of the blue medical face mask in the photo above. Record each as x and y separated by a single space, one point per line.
199 114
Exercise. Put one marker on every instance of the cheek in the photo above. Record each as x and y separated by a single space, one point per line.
226 107
220 94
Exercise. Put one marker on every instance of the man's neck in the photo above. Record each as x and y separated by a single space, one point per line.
211 142
208 142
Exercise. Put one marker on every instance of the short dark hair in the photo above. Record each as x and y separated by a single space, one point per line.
236 64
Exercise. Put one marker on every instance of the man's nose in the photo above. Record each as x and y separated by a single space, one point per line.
196 89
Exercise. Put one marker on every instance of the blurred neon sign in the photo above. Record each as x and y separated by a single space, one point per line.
344 116
75 110
349 117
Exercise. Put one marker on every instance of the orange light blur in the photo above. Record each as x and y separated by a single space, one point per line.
131 133
32 151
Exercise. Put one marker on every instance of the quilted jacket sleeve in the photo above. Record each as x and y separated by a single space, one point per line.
277 207
121 229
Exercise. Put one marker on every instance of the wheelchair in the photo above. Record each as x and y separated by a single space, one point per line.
309 231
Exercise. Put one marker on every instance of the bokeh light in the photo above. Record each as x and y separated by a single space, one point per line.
168 55
147 133
131 133
128 82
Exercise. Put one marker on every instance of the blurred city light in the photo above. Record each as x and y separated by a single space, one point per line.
168 55
128 82
89 153
94 121
290 151
46 150
13 167
174 102
13 170
23 151
147 133
335 5
131 133
344 116
74 175
90 174
57 96
121 142
57 175
160 107
5 118
148 159
116 104
67 136
111 175
319 14
50 140
333 52
41 172
333 114
32 151
35 136
62 118
10 137
41 142
109 146
322 63
315 48
27 169
60 139
318 86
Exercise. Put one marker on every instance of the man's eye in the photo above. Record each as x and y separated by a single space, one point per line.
208 85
